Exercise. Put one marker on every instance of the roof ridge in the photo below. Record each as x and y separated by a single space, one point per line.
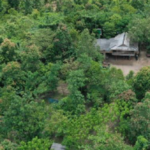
123 39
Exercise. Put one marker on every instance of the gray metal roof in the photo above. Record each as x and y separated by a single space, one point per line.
121 42
119 39
56 146
104 44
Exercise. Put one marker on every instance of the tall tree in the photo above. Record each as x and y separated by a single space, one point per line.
86 45
63 46
140 120
24 119
14 3
1 6
141 83
28 6
7 51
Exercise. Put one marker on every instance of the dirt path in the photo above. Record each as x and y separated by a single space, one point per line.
127 65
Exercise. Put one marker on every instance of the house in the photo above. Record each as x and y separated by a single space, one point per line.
120 45
56 146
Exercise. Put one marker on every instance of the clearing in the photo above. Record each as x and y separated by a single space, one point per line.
127 65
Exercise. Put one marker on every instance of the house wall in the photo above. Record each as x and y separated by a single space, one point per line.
123 53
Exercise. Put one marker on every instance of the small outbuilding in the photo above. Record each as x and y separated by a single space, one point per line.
120 45
56 146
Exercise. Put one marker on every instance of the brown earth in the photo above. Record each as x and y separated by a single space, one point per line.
126 65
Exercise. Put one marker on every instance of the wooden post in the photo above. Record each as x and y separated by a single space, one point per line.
104 55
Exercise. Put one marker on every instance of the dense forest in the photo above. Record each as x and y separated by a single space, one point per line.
53 86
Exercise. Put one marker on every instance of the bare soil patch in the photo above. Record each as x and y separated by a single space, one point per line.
62 89
126 65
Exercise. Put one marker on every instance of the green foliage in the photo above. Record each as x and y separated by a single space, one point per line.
139 124
8 145
130 75
45 41
141 82
1 6
8 94
139 4
109 29
78 129
32 55
14 3
130 78
11 74
62 48
95 81
118 117
139 30
105 140
17 27
36 144
24 119
28 4
113 78
31 81
84 84
76 81
67 67
51 19
92 127
7 51
85 45
141 143
56 123
118 88
115 75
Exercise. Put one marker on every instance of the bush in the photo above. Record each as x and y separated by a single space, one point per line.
141 83
141 144
36 144
140 120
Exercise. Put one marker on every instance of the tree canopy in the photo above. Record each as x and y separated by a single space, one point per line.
53 85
